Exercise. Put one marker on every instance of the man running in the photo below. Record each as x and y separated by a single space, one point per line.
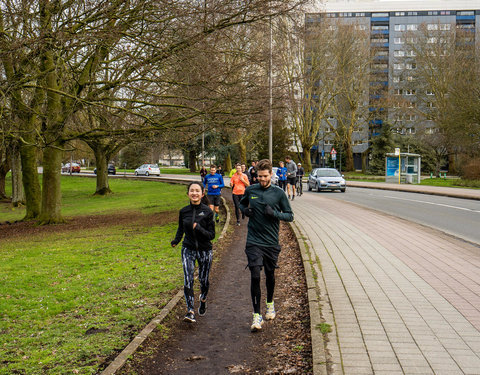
215 185
300 174
291 176
265 205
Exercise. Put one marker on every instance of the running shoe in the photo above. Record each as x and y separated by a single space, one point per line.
203 308
257 323
293 197
217 218
270 314
190 317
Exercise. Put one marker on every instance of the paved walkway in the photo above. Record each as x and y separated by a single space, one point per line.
402 298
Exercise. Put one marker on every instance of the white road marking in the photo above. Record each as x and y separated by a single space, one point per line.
435 204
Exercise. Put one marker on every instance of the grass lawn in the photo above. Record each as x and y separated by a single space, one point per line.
70 299
78 198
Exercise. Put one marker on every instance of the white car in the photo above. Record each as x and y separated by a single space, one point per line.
147 170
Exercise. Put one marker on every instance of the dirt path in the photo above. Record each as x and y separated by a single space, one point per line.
221 341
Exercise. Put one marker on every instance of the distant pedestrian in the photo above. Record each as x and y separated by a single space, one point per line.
252 173
195 221
239 182
220 171
300 174
265 205
203 172
215 184
282 176
291 176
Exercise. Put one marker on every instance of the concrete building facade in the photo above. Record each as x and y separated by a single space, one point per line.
390 25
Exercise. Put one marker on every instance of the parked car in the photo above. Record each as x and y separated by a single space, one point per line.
275 176
75 168
111 169
147 170
326 179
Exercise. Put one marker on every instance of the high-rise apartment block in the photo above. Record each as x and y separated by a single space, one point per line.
391 27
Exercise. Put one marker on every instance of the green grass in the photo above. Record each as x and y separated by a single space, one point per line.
451 182
69 300
155 196
56 288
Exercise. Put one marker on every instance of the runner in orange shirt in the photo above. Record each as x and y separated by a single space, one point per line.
238 182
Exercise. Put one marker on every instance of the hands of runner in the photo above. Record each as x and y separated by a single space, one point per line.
269 211
248 211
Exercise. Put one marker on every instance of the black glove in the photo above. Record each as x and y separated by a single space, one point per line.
269 211
248 211
173 243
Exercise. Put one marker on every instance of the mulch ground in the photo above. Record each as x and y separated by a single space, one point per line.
221 342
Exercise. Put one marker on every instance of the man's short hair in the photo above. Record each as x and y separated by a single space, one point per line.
264 164
288 158
213 166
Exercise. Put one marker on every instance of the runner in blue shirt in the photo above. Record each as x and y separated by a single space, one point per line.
214 181
282 176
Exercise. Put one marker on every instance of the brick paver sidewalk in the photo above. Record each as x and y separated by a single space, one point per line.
403 299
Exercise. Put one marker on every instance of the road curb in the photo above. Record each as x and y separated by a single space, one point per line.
120 360
319 350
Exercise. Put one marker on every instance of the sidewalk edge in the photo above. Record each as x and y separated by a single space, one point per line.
319 358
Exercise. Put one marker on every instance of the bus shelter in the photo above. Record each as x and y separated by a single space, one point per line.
409 171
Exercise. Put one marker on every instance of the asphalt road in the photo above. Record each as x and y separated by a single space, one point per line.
457 217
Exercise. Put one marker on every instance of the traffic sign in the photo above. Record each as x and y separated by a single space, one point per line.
333 152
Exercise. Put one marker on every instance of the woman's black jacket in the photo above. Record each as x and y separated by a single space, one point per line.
199 238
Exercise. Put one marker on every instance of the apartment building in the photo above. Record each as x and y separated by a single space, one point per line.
392 28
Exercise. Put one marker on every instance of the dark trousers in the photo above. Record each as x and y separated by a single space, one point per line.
236 202
282 184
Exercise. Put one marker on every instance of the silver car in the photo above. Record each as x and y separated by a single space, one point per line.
326 179
147 170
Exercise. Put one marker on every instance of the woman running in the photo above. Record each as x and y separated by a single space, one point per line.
238 182
196 222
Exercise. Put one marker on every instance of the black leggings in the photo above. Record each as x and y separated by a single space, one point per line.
204 259
282 184
236 202
255 289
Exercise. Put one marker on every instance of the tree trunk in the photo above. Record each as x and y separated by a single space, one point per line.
242 149
192 160
4 168
364 161
51 187
348 151
228 164
307 159
101 160
31 183
18 193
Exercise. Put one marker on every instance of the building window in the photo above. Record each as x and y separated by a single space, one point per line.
411 53
413 13
412 27
397 92
411 131
466 26
399 14
433 13
445 26
381 53
466 13
396 79
410 92
432 40
399 53
445 12
431 105
379 27
380 40
432 26
332 27
412 40
380 66
399 40
399 66
360 14
400 27
411 66
360 27
380 14
410 78
429 92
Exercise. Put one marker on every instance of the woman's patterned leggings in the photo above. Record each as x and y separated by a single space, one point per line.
204 259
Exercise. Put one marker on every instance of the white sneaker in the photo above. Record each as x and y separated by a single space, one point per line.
257 323
270 314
